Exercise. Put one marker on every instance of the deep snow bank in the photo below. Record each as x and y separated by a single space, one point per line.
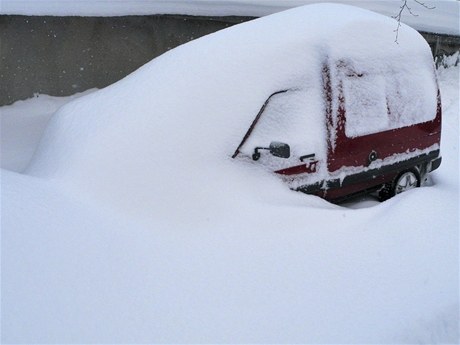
22 125
254 273
173 124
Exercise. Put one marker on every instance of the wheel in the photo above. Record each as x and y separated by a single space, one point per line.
407 180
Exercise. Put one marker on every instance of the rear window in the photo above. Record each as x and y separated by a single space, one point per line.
381 100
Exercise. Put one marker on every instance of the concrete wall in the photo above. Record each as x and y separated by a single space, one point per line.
63 55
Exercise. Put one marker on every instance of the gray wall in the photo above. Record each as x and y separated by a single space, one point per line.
63 55
442 44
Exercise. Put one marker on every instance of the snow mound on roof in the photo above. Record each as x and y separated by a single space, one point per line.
167 131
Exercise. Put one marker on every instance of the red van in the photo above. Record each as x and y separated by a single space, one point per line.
376 127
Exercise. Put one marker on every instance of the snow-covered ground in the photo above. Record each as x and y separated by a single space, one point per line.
444 18
22 125
123 231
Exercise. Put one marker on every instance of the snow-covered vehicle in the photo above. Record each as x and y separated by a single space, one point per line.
371 123
358 111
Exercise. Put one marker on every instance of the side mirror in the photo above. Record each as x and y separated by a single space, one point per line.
277 149
281 150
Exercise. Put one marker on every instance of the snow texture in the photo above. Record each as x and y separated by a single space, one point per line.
29 119
389 91
133 224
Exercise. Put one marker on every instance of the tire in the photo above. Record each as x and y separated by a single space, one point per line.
405 181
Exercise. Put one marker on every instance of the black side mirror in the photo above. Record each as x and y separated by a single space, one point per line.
277 149
281 150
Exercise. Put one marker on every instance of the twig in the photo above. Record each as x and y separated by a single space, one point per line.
406 6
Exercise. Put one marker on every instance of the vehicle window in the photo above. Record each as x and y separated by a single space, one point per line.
296 118
366 106
411 98
383 99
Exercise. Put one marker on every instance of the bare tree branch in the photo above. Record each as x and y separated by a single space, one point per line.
425 5
405 6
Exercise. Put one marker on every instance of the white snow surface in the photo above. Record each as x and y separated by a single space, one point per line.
29 118
132 224
444 18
